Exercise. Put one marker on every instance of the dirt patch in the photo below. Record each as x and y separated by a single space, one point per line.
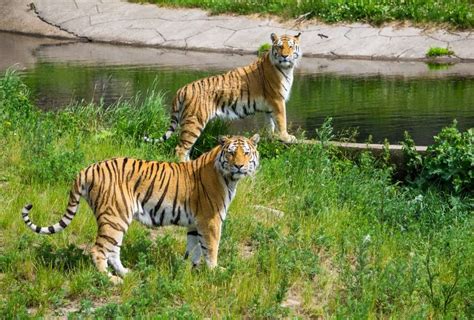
246 250
321 291
69 307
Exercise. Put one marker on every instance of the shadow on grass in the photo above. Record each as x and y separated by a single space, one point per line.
64 258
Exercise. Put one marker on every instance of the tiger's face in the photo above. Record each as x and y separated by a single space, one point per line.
285 50
239 156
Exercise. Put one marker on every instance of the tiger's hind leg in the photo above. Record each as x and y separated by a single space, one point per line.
191 129
99 256
107 247
116 263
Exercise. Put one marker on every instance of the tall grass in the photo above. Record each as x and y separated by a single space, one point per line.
457 13
313 234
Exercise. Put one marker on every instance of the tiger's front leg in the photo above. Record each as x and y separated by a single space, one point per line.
210 237
193 246
279 114
270 123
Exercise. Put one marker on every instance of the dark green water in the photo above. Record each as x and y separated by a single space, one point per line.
383 107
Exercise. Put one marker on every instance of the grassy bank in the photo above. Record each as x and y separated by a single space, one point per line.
456 13
346 242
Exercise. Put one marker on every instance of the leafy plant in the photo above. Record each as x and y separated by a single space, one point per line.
45 157
16 110
264 48
449 162
439 52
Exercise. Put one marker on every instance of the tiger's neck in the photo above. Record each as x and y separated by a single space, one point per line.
282 76
221 188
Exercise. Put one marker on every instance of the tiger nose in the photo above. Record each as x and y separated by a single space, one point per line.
284 56
238 166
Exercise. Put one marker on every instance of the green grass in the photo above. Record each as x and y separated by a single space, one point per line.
350 244
457 13
439 52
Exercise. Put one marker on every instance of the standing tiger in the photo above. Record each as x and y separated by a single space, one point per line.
263 86
194 194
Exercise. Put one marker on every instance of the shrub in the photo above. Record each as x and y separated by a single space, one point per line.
449 162
48 158
438 52
16 110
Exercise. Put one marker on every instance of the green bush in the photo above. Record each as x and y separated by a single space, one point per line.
16 110
439 52
48 157
449 162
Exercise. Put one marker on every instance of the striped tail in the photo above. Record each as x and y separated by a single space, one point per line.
177 102
70 213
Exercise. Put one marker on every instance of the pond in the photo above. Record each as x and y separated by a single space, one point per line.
378 99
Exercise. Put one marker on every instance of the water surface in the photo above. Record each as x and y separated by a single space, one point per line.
378 99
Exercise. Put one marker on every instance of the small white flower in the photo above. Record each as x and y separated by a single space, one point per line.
367 239
419 198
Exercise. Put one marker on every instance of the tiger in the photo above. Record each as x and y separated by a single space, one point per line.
263 86
194 194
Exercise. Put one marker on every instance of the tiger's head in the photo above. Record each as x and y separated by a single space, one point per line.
285 50
238 156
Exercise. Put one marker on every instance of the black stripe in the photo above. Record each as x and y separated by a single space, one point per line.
51 229
91 185
193 233
109 239
281 71
137 183
62 224
162 198
162 216
125 160
178 216
149 191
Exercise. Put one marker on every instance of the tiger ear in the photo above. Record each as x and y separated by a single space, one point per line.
298 35
274 37
255 139
222 140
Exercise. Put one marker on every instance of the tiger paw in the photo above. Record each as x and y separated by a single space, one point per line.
116 280
288 138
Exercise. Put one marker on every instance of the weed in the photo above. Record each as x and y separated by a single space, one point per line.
448 162
439 52
264 48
